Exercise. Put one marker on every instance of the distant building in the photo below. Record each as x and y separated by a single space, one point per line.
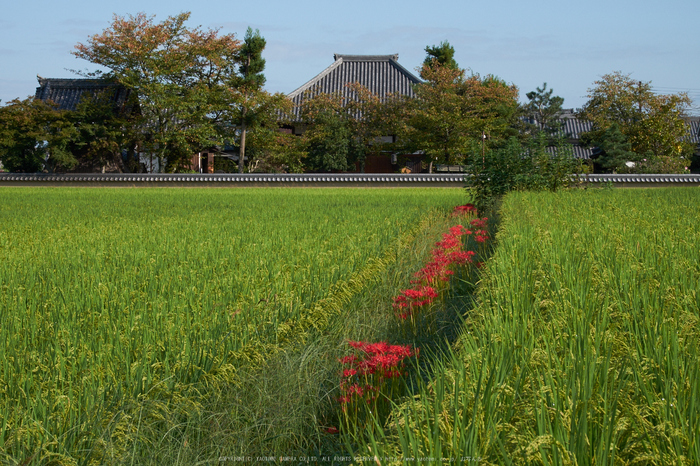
573 128
380 74
67 93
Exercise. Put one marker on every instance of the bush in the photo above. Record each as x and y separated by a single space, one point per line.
539 164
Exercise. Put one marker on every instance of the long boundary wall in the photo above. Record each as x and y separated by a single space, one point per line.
308 180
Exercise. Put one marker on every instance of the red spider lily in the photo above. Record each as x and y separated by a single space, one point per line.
376 348
414 298
459 230
345 360
464 209
479 222
481 236
448 242
374 364
462 257
446 253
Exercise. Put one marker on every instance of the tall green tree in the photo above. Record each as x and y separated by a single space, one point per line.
544 108
343 127
329 139
652 123
615 150
535 164
104 132
440 55
182 77
250 85
266 148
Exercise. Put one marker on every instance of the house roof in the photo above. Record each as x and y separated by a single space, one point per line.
574 127
67 93
381 74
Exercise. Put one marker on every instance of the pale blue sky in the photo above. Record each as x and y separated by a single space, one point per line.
567 44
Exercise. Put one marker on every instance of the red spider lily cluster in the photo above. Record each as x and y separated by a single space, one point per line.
480 234
365 373
446 253
375 368
413 298
464 209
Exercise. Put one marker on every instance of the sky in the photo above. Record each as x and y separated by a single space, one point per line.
567 44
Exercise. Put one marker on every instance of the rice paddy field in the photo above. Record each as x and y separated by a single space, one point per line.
124 311
195 326
582 348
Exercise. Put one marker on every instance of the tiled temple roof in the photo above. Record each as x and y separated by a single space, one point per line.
381 74
67 93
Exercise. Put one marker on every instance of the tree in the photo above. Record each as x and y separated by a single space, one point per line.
544 109
250 85
652 124
539 158
440 55
342 127
269 149
537 164
35 136
328 139
614 150
274 151
103 133
450 111
182 78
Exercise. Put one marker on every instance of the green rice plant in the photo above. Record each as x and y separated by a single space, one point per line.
288 404
120 310
583 345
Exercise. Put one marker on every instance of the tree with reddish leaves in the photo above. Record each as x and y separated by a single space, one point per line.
452 110
185 79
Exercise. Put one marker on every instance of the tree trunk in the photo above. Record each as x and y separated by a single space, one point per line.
241 153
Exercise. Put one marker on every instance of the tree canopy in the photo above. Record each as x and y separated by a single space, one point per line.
652 123
182 77
197 88
452 110
35 135
544 109
440 55
342 129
